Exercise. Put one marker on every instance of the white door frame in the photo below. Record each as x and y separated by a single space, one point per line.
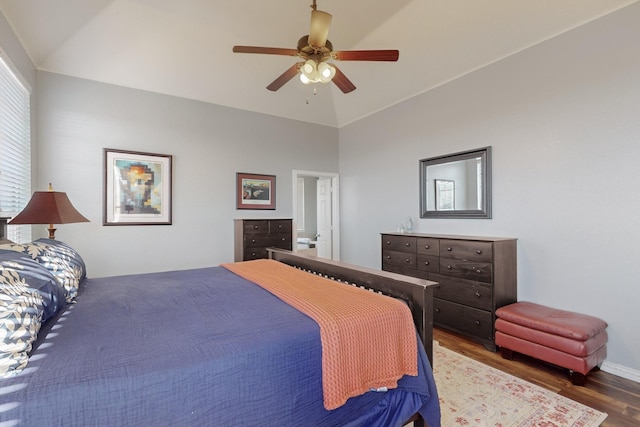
335 207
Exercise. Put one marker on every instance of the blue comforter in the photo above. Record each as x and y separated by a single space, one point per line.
199 347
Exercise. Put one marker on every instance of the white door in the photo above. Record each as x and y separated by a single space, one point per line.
325 229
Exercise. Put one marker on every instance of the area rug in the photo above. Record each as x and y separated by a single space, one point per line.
474 394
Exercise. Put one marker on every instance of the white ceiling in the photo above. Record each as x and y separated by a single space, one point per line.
183 48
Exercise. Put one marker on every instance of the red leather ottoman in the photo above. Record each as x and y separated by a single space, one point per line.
571 340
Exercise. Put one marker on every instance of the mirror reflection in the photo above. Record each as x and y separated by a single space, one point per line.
456 185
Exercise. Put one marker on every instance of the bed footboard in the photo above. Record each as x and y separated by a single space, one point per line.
417 293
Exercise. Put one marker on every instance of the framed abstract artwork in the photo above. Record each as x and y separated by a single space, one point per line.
137 188
255 191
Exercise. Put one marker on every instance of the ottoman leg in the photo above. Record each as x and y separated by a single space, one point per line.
577 378
506 353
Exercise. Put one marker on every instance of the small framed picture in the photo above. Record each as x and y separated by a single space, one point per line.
137 188
255 191
445 194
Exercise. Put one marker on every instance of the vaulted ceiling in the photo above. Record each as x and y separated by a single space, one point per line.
184 48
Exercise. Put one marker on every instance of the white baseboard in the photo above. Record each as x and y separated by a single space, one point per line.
621 371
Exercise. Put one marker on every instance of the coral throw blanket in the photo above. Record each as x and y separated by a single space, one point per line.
368 340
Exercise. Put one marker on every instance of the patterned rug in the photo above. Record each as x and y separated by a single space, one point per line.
474 394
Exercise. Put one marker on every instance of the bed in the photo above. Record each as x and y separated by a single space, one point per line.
201 347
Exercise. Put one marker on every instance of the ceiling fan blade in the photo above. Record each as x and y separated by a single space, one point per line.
366 55
319 30
265 50
343 83
285 77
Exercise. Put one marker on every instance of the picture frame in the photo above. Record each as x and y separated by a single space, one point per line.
445 194
470 194
137 188
255 191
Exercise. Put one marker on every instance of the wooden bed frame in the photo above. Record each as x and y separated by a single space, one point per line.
417 293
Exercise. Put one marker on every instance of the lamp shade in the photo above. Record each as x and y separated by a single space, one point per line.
48 207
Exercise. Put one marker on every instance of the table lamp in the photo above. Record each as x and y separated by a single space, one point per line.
48 207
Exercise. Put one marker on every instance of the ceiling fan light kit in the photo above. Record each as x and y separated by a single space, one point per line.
312 72
315 49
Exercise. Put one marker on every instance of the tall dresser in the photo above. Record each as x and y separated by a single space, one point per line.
253 237
476 276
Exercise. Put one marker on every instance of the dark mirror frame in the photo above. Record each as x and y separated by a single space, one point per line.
425 192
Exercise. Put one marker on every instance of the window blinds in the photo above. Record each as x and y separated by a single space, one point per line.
15 148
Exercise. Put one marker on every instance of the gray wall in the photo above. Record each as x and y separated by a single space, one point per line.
209 144
562 118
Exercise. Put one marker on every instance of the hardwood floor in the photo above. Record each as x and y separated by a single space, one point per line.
618 397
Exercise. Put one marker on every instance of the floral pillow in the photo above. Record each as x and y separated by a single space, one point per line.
71 255
29 295
60 259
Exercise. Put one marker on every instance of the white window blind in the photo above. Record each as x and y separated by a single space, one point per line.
15 147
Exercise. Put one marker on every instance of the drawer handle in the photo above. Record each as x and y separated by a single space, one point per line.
477 323
407 261
478 294
388 257
284 239
388 242
407 244
255 227
478 271
437 310
253 240
479 251
427 246
449 267
280 227
449 249
426 263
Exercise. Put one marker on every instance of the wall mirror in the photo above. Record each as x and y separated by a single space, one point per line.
456 185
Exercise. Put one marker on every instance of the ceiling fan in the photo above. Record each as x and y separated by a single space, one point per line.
316 51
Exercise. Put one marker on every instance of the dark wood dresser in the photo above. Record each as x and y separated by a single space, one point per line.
476 276
254 236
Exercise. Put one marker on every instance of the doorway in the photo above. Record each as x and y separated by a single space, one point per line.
316 213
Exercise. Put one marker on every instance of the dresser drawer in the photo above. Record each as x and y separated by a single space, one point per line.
399 243
257 241
281 240
267 240
463 319
255 253
480 271
427 263
256 227
467 250
473 294
427 246
280 226
400 259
